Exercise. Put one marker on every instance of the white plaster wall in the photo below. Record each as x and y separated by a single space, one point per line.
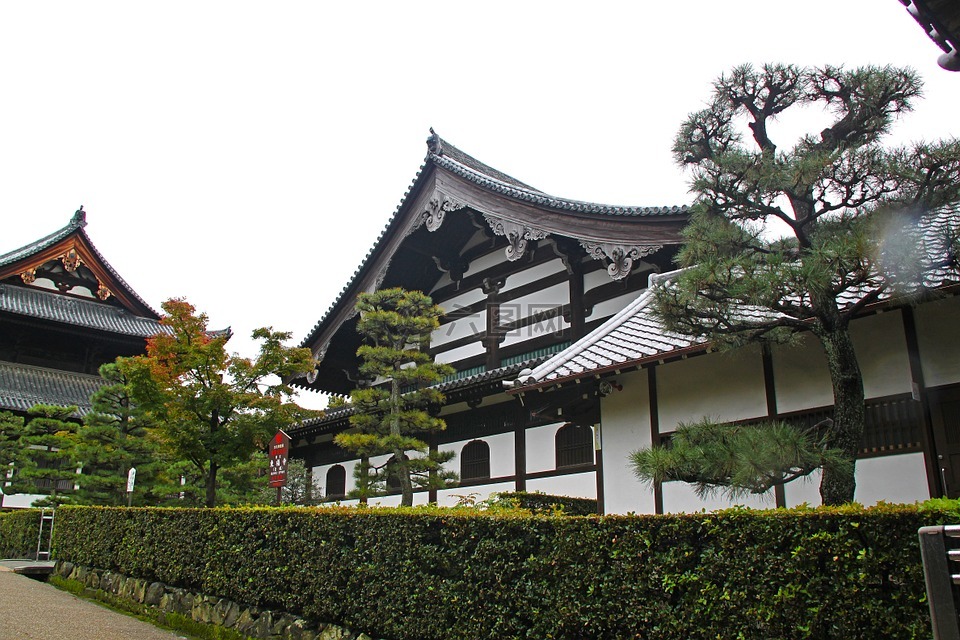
19 500
471 325
466 351
937 324
451 497
803 491
548 326
800 375
901 478
542 448
624 428
897 479
679 497
533 274
723 386
534 303
574 485
596 279
488 261
613 305
502 454
881 348
461 300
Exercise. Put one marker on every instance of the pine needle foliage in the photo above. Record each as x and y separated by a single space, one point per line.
394 414
115 437
48 462
737 460
789 239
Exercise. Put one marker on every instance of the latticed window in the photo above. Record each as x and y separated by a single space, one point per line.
336 486
475 461
574 446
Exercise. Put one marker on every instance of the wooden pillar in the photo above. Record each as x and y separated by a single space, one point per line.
432 491
520 456
654 432
598 453
770 389
494 333
919 391
577 311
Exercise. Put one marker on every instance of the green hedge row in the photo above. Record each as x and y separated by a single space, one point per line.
18 533
430 574
545 503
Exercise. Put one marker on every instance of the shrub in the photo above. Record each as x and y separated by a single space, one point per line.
433 573
545 503
18 533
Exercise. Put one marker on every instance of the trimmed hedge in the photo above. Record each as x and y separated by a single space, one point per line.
429 574
546 503
18 533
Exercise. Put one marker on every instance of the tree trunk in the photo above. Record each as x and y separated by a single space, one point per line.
212 484
403 470
838 486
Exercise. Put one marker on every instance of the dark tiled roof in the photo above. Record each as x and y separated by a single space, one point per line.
76 225
456 161
47 305
22 386
636 334
526 194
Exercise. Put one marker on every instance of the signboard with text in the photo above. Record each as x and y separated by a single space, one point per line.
279 448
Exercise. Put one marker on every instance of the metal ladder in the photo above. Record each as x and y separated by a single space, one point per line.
46 521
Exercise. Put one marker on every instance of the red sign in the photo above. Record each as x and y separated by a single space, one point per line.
279 447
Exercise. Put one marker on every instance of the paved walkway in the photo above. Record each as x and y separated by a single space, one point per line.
31 610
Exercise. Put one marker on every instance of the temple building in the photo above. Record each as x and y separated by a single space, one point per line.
64 311
563 369
520 275
651 380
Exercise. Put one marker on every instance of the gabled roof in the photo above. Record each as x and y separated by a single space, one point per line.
450 180
22 386
49 305
73 238
636 336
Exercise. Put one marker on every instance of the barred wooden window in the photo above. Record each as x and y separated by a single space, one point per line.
574 446
475 461
336 482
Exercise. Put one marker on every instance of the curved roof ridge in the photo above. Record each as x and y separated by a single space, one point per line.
76 222
76 225
541 198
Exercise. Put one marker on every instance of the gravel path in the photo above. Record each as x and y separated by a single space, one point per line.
31 610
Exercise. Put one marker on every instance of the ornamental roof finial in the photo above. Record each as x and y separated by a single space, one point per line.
79 217
434 143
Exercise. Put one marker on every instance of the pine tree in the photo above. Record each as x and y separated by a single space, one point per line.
11 429
113 439
393 414
48 464
784 240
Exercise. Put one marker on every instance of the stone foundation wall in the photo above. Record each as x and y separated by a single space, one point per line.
249 621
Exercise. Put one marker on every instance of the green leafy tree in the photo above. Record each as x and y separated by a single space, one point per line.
214 409
48 463
393 414
11 429
115 437
784 239
738 460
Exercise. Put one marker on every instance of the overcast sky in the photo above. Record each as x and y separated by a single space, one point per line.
246 155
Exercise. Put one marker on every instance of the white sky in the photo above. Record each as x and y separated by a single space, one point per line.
246 155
